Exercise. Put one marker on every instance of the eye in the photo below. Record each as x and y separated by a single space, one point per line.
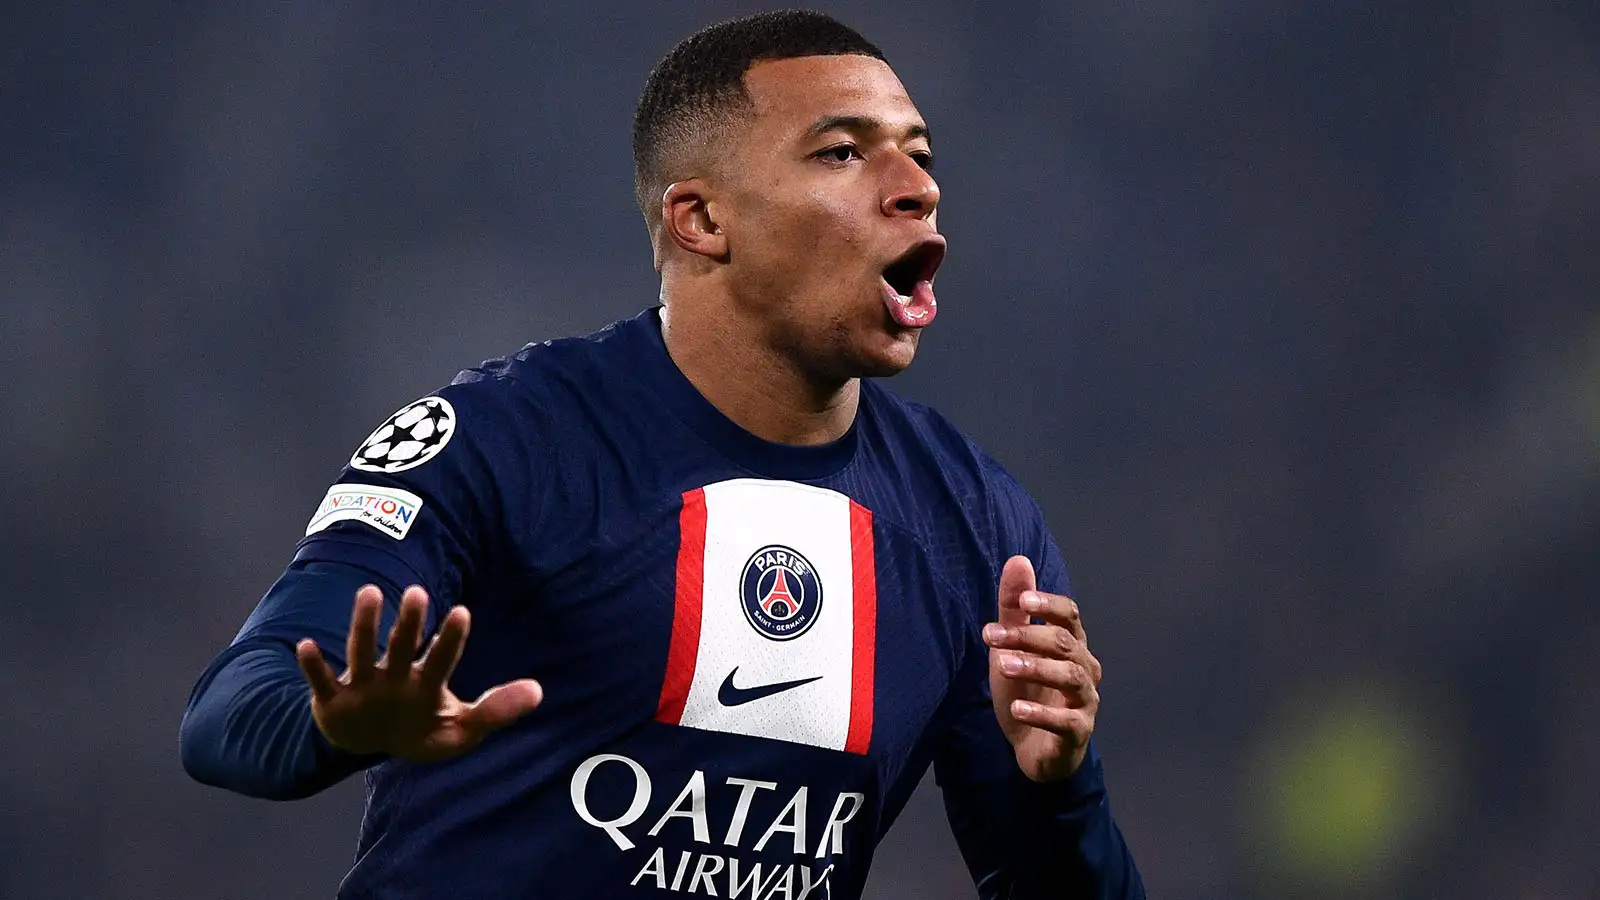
923 158
839 153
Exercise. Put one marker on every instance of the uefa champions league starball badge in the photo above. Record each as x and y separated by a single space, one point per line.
412 436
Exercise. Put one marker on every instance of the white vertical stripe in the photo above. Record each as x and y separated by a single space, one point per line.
742 516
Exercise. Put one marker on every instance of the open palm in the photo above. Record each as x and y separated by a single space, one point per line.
400 704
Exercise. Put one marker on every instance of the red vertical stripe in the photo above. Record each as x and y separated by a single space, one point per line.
686 609
863 567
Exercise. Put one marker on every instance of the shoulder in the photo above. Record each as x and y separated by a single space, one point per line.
500 407
966 467
557 360
959 499
1002 514
531 384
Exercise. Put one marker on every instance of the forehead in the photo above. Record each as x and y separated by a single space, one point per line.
790 94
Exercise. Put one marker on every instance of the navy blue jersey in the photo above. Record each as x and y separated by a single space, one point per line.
751 652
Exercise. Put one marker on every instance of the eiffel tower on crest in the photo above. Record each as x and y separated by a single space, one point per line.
779 602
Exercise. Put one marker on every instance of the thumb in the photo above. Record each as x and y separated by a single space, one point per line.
1015 578
501 705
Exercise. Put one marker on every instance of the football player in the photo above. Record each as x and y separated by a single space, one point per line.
729 598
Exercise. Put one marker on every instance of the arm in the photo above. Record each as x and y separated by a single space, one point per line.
255 726
248 726
1024 788
1024 839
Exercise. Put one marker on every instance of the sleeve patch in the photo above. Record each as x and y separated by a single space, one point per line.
412 436
390 510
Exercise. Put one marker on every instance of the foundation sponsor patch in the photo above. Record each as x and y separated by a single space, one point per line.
390 510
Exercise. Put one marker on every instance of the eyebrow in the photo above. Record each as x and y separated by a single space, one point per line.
861 124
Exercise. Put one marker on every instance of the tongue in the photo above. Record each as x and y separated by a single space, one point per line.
919 311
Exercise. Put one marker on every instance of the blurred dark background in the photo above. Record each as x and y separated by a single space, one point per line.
1286 312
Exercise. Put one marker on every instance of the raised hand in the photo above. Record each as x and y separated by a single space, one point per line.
1043 677
400 704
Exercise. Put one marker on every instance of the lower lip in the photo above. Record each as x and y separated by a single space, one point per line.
919 313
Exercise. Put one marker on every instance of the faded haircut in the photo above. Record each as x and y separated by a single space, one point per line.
697 90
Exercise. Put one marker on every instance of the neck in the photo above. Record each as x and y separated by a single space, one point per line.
754 385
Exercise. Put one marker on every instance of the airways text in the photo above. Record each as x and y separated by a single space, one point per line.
690 871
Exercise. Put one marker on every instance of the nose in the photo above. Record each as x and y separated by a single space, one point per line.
914 193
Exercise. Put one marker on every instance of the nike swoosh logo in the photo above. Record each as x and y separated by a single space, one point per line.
728 695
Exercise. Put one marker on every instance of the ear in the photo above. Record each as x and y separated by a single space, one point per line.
686 219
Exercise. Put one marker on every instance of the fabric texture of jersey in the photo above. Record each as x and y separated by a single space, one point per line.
751 652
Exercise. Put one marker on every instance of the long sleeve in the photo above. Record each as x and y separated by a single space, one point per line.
248 725
429 521
1022 840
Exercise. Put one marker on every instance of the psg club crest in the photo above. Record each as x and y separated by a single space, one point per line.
409 438
781 592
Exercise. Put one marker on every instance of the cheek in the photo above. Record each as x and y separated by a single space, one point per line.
811 237
841 217
838 236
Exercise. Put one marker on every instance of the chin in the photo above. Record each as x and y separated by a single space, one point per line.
890 355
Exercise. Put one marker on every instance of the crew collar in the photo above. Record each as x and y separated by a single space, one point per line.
764 457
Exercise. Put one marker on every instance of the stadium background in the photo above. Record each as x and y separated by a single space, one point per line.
1286 312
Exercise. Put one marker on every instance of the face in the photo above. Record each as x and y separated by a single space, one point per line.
829 215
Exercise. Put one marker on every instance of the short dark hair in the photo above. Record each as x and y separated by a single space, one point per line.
699 84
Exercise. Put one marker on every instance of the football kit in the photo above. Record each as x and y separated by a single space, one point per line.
751 652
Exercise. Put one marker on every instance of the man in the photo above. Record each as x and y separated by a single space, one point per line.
751 585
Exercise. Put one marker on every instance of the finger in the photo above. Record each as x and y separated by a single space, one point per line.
1046 640
500 706
445 651
361 647
1088 661
1074 680
324 683
1015 578
406 635
1055 609
1052 642
1075 724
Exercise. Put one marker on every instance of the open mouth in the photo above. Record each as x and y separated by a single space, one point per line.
915 265
908 283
